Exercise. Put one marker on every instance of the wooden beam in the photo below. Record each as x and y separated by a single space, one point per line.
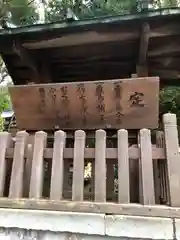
142 70
89 153
171 47
111 134
166 74
158 30
144 43
26 58
90 37
92 207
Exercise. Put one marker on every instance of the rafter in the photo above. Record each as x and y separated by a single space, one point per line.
26 58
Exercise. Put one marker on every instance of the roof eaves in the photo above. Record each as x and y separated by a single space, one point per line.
100 20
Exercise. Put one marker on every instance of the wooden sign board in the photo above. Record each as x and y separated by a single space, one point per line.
128 103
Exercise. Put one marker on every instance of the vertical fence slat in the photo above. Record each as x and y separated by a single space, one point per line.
28 165
4 140
78 166
37 174
100 166
140 175
57 172
16 183
146 167
162 188
157 172
123 167
173 157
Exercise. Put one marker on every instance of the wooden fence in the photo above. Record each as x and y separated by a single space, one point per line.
22 171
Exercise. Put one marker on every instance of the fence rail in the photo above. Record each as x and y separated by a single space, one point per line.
23 172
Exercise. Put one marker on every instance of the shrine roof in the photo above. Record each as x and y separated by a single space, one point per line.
94 49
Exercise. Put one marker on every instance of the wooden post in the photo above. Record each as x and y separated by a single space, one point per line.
146 167
173 157
160 173
28 165
4 139
140 175
123 167
16 184
78 166
100 166
56 188
37 174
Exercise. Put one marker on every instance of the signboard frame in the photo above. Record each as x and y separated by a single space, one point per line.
111 104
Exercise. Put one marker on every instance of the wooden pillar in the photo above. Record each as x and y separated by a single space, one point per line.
142 70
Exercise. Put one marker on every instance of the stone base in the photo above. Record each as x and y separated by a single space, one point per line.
32 224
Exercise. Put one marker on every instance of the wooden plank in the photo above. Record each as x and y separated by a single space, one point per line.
16 183
90 134
92 207
100 166
57 172
146 167
123 167
110 104
89 153
173 157
87 37
36 182
4 140
78 166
